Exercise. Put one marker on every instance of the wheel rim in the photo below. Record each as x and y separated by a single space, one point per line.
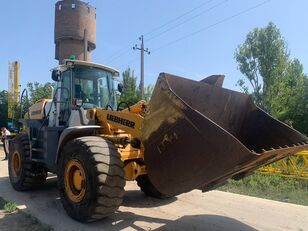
74 178
16 164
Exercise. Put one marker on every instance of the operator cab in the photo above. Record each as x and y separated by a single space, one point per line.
80 86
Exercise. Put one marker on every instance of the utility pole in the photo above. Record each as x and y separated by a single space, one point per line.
142 50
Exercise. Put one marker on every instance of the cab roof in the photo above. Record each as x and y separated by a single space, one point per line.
69 62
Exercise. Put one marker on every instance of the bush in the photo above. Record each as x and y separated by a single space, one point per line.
270 187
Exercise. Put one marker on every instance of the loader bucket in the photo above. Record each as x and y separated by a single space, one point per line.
197 135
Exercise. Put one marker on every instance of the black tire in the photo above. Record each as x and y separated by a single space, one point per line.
148 188
103 184
28 175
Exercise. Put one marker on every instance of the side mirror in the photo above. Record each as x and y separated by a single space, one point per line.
120 87
56 75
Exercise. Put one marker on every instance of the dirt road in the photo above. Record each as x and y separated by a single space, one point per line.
214 210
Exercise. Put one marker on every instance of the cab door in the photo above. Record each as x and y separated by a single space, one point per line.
64 98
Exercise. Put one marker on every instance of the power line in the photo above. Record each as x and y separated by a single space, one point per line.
178 17
119 53
188 20
212 25
129 63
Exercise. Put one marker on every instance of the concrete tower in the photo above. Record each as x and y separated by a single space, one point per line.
75 30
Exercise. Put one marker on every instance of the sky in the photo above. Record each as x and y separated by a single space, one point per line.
192 39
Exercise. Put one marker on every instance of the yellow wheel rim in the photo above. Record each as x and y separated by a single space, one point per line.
74 179
16 164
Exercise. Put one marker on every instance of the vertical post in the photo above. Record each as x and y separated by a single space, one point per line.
142 69
16 81
10 90
142 50
85 39
16 88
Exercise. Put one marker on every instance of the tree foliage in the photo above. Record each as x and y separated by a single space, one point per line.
278 83
262 58
289 101
3 108
4 111
131 93
39 91
148 92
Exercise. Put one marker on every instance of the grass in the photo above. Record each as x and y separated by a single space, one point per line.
270 187
23 220
9 207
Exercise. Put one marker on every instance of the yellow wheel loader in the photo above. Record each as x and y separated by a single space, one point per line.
191 135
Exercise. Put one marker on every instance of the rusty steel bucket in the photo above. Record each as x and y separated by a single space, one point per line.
197 135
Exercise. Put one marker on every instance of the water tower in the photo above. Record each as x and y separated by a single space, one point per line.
75 30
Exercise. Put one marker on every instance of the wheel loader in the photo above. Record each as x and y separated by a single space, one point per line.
190 135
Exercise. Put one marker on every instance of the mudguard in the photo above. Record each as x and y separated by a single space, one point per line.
75 132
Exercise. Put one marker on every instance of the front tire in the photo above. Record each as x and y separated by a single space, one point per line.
90 178
148 188
23 173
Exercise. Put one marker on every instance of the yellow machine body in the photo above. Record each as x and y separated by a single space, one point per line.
37 110
123 128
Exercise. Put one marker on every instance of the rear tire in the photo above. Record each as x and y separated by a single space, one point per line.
148 188
90 178
23 173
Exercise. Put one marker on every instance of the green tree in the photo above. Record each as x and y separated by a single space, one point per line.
278 83
262 58
3 108
148 92
39 91
131 93
289 101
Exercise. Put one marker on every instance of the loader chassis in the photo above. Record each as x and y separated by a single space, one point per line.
191 135
80 136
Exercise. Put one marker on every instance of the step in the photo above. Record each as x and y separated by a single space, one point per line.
38 150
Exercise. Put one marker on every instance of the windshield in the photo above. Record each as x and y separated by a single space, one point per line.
94 87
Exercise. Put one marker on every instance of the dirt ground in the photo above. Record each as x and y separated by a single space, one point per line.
213 211
19 221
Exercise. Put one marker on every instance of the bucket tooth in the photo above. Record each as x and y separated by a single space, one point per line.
198 135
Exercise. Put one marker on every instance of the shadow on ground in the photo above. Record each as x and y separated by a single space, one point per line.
47 202
137 199
19 221
127 220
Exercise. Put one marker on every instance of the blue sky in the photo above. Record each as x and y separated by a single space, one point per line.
27 35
